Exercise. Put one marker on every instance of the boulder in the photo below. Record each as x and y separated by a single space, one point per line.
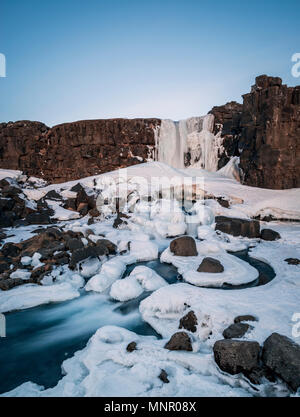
269 234
9 283
120 220
179 341
184 246
238 227
94 212
246 317
70 204
163 376
53 195
236 330
282 356
292 261
211 265
10 249
110 246
236 356
131 347
74 243
38 218
189 322
87 252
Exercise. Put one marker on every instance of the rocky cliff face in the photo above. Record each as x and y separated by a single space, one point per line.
75 150
265 133
270 135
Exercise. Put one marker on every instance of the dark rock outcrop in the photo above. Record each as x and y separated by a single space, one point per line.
227 121
163 376
179 341
55 247
292 261
235 356
282 356
75 150
264 132
238 227
131 347
184 246
246 317
211 265
236 330
269 234
189 322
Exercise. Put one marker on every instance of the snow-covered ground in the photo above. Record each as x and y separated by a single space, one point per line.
104 367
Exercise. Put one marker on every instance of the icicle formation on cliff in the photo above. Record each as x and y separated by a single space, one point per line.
188 143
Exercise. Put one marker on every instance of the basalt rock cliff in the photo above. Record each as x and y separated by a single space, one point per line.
264 132
75 150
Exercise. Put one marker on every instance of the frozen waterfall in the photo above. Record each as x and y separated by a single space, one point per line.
188 143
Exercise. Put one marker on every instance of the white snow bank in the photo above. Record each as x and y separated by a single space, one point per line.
236 271
141 279
105 369
60 213
31 295
110 272
274 303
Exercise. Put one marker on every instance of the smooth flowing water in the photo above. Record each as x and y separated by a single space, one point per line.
41 338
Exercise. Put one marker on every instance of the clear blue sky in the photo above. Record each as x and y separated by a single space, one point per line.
73 59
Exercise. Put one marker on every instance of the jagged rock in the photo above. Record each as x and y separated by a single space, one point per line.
269 234
184 246
10 249
189 322
38 218
88 252
110 246
131 347
83 209
8 284
211 265
264 133
74 243
163 376
94 212
238 227
236 330
236 356
120 220
4 265
179 341
38 273
76 188
52 195
292 261
282 356
246 317
223 202
70 204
